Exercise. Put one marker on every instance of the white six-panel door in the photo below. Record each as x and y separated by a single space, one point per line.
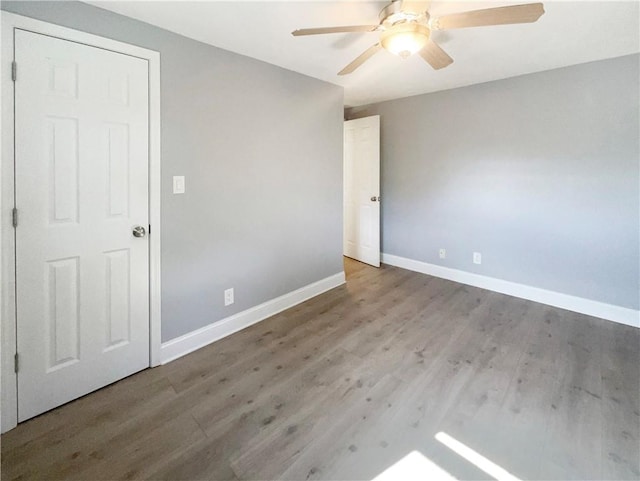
81 185
362 189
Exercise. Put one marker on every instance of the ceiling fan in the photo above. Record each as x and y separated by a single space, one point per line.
405 28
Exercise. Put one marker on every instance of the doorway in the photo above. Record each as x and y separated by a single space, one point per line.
362 190
82 185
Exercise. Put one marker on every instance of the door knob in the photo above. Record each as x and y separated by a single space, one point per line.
139 231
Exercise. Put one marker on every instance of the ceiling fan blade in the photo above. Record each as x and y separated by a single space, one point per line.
491 16
345 29
415 6
370 52
435 56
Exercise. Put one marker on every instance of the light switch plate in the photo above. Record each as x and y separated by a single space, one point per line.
178 184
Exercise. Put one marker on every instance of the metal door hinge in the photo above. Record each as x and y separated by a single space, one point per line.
14 217
14 70
15 362
149 229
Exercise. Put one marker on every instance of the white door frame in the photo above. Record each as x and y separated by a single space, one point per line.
10 22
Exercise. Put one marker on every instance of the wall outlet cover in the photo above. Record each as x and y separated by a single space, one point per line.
477 258
228 297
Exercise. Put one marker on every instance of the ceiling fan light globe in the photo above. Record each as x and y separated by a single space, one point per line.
405 39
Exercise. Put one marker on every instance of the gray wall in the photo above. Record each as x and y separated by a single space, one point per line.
261 149
539 173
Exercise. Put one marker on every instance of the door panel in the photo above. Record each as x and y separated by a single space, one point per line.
116 138
362 189
82 279
118 270
63 298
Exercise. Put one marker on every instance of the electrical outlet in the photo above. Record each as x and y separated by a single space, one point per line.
228 297
443 253
477 258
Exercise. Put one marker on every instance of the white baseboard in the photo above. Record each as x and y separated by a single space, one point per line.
619 314
194 340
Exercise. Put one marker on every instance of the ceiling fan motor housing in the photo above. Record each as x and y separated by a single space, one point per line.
404 32
393 14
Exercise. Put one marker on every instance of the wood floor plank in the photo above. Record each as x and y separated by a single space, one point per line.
137 455
494 392
342 413
620 405
281 402
202 461
573 449
391 427
80 427
411 421
349 383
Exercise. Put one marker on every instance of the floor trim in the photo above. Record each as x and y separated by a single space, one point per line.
619 314
194 340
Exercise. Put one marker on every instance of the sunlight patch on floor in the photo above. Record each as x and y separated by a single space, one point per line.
414 467
475 458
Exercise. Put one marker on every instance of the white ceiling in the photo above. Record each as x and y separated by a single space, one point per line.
568 33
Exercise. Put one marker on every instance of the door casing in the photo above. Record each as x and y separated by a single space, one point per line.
11 22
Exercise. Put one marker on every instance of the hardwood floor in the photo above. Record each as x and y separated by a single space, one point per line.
349 383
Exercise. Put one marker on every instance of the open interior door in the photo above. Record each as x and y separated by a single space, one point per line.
362 189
